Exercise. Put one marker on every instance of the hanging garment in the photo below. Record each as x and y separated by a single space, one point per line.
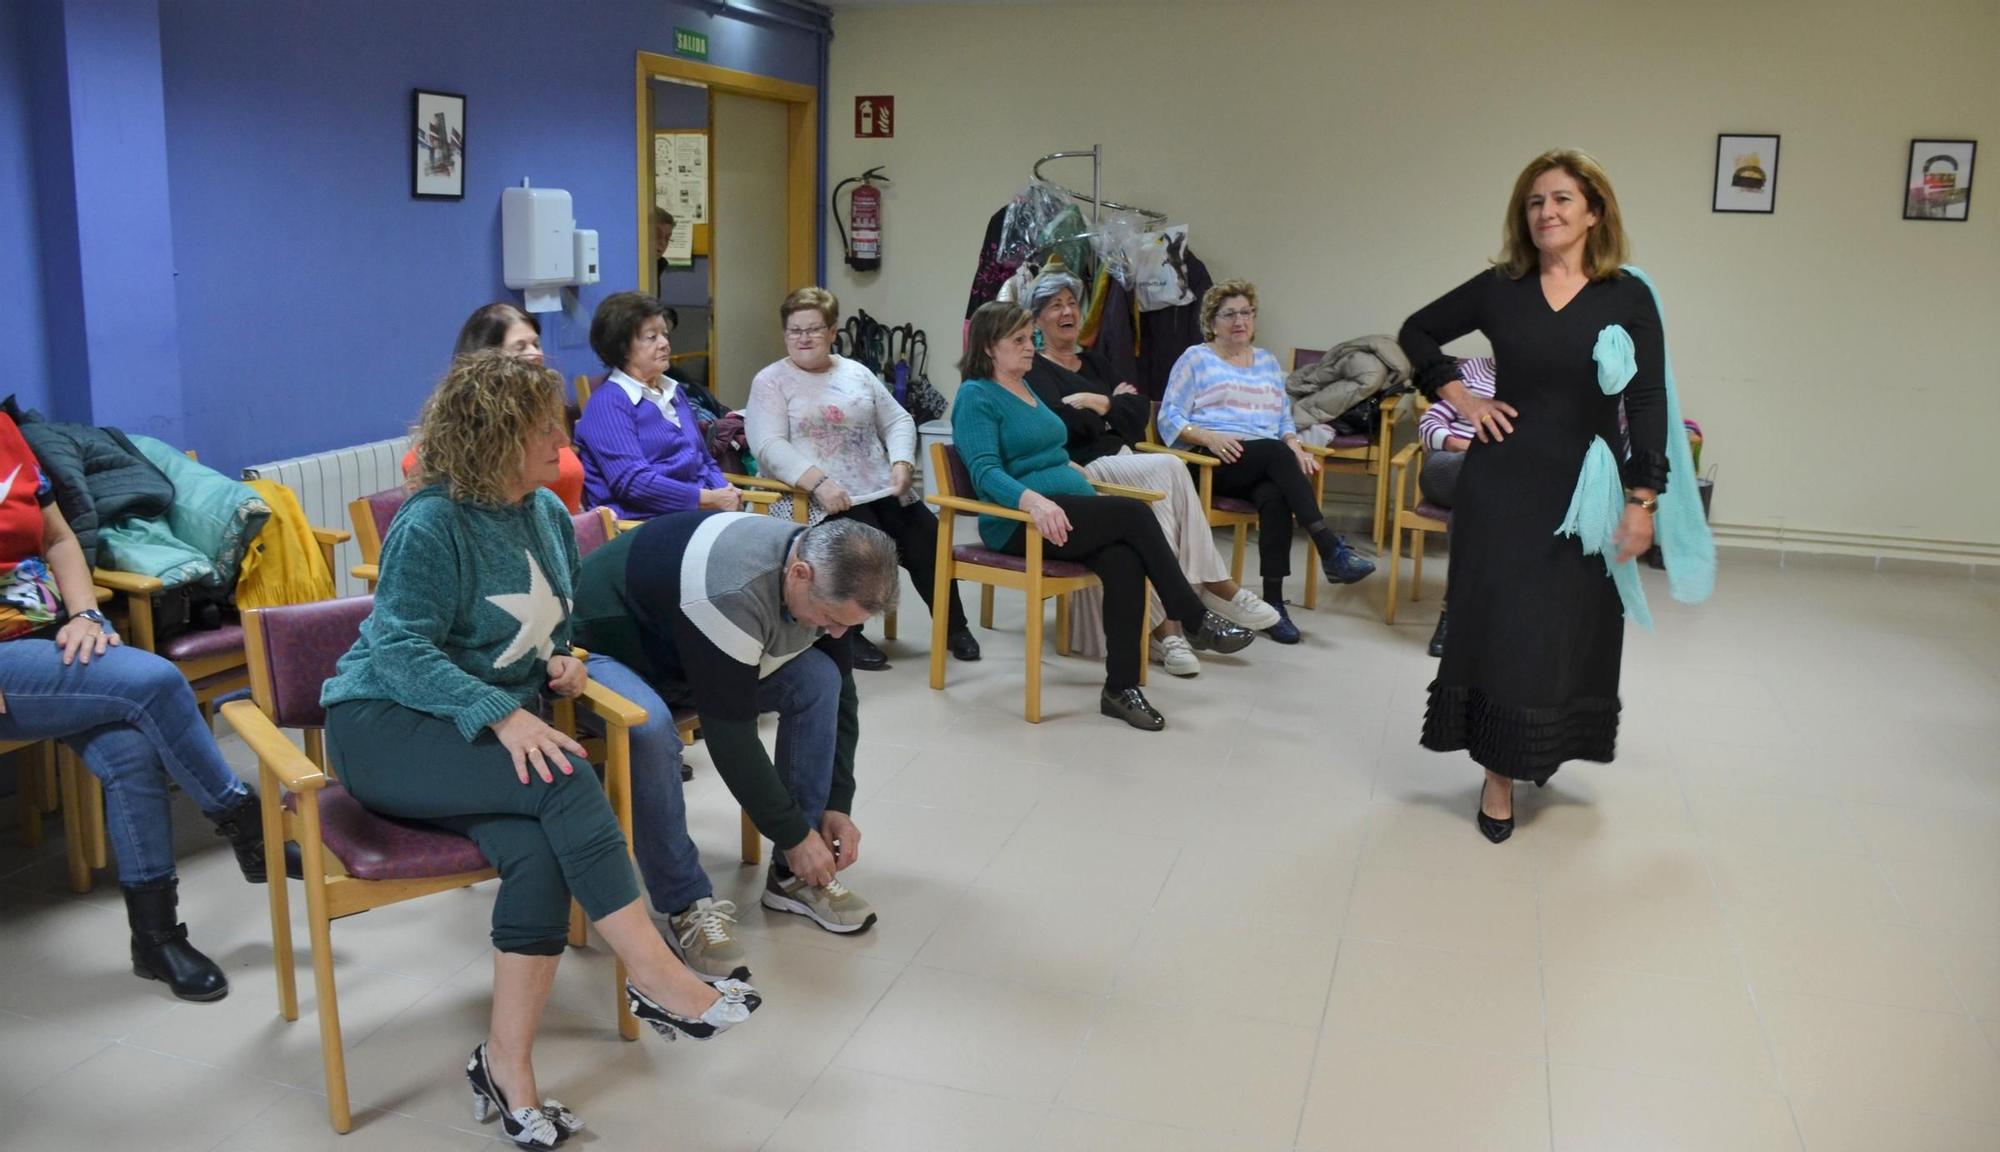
1116 336
1160 272
1166 333
284 564
991 271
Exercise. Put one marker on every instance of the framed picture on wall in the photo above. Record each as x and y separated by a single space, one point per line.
1939 183
437 163
1746 173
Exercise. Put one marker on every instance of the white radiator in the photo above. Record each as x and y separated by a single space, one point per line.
325 483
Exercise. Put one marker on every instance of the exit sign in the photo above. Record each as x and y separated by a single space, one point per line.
874 117
690 43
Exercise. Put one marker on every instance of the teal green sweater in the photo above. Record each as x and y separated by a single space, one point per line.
471 603
1011 447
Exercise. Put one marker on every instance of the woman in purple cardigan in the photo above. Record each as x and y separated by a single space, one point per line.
642 450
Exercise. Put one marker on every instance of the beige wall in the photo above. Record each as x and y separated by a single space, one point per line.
1354 160
749 154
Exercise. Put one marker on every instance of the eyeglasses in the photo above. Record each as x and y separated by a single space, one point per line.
1235 314
812 333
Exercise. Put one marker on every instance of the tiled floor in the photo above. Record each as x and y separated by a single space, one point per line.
1773 924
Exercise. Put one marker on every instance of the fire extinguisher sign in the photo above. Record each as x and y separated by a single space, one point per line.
874 117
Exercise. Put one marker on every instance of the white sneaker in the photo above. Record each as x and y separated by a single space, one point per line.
1246 609
1177 655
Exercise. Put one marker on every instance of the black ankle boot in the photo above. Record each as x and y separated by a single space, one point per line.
243 824
160 948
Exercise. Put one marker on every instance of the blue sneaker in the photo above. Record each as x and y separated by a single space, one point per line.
1284 631
1345 566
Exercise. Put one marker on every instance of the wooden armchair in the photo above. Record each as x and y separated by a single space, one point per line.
1040 579
1415 516
355 860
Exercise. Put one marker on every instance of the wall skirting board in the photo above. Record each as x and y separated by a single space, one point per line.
1783 539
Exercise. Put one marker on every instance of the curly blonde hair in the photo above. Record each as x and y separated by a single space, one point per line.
473 434
1211 302
1604 249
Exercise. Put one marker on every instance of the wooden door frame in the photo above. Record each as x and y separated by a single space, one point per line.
801 165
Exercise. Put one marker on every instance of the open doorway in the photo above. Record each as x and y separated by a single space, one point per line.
733 157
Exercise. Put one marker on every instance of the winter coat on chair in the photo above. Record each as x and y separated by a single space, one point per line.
1349 373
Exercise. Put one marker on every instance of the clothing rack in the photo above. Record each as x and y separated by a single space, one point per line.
1095 199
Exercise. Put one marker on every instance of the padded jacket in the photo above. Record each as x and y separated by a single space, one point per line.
100 477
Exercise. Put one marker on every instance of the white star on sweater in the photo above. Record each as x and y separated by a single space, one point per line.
538 609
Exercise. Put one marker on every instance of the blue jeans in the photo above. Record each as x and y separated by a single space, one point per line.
805 694
132 718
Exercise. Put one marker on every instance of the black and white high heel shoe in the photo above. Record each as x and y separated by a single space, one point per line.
529 1127
736 1002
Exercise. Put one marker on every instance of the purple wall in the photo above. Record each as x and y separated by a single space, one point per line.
20 248
316 299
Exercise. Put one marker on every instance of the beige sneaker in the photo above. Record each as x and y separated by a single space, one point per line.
833 907
701 938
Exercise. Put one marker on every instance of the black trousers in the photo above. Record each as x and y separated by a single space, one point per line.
1119 539
1267 475
914 528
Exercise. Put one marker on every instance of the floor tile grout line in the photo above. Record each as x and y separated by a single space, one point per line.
1326 1005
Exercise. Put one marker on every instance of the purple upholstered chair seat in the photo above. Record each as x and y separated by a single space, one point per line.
1434 511
975 554
1232 504
374 847
204 642
1351 441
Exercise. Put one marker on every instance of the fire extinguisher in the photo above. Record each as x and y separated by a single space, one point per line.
861 238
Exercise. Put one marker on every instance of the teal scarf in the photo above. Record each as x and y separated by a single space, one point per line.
1679 527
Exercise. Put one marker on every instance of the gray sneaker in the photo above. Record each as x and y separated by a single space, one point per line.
833 907
700 937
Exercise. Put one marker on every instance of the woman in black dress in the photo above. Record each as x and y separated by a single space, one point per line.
1530 677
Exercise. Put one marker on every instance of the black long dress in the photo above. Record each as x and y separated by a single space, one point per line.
1529 677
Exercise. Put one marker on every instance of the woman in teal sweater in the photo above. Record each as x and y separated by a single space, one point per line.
1016 451
434 715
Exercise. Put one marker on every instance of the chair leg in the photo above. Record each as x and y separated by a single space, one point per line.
333 1056
1395 570
1062 624
1033 711
753 842
74 846
280 896
941 595
889 626
1312 575
1381 503
31 793
1239 539
986 606
1417 538
97 839
579 926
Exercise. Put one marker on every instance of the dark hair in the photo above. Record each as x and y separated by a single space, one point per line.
852 563
487 328
991 323
618 320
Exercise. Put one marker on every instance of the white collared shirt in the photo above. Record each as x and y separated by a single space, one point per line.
663 399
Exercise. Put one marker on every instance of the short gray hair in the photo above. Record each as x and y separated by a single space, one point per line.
1049 285
852 563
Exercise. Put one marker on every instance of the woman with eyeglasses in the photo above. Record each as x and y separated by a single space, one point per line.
826 425
1227 397
641 445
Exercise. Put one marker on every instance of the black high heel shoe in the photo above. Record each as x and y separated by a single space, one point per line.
544 1127
1492 828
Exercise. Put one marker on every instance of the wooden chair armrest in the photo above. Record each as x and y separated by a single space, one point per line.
332 536
1402 459
1200 458
762 483
760 497
285 759
628 525
1146 494
369 572
128 583
979 507
615 709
